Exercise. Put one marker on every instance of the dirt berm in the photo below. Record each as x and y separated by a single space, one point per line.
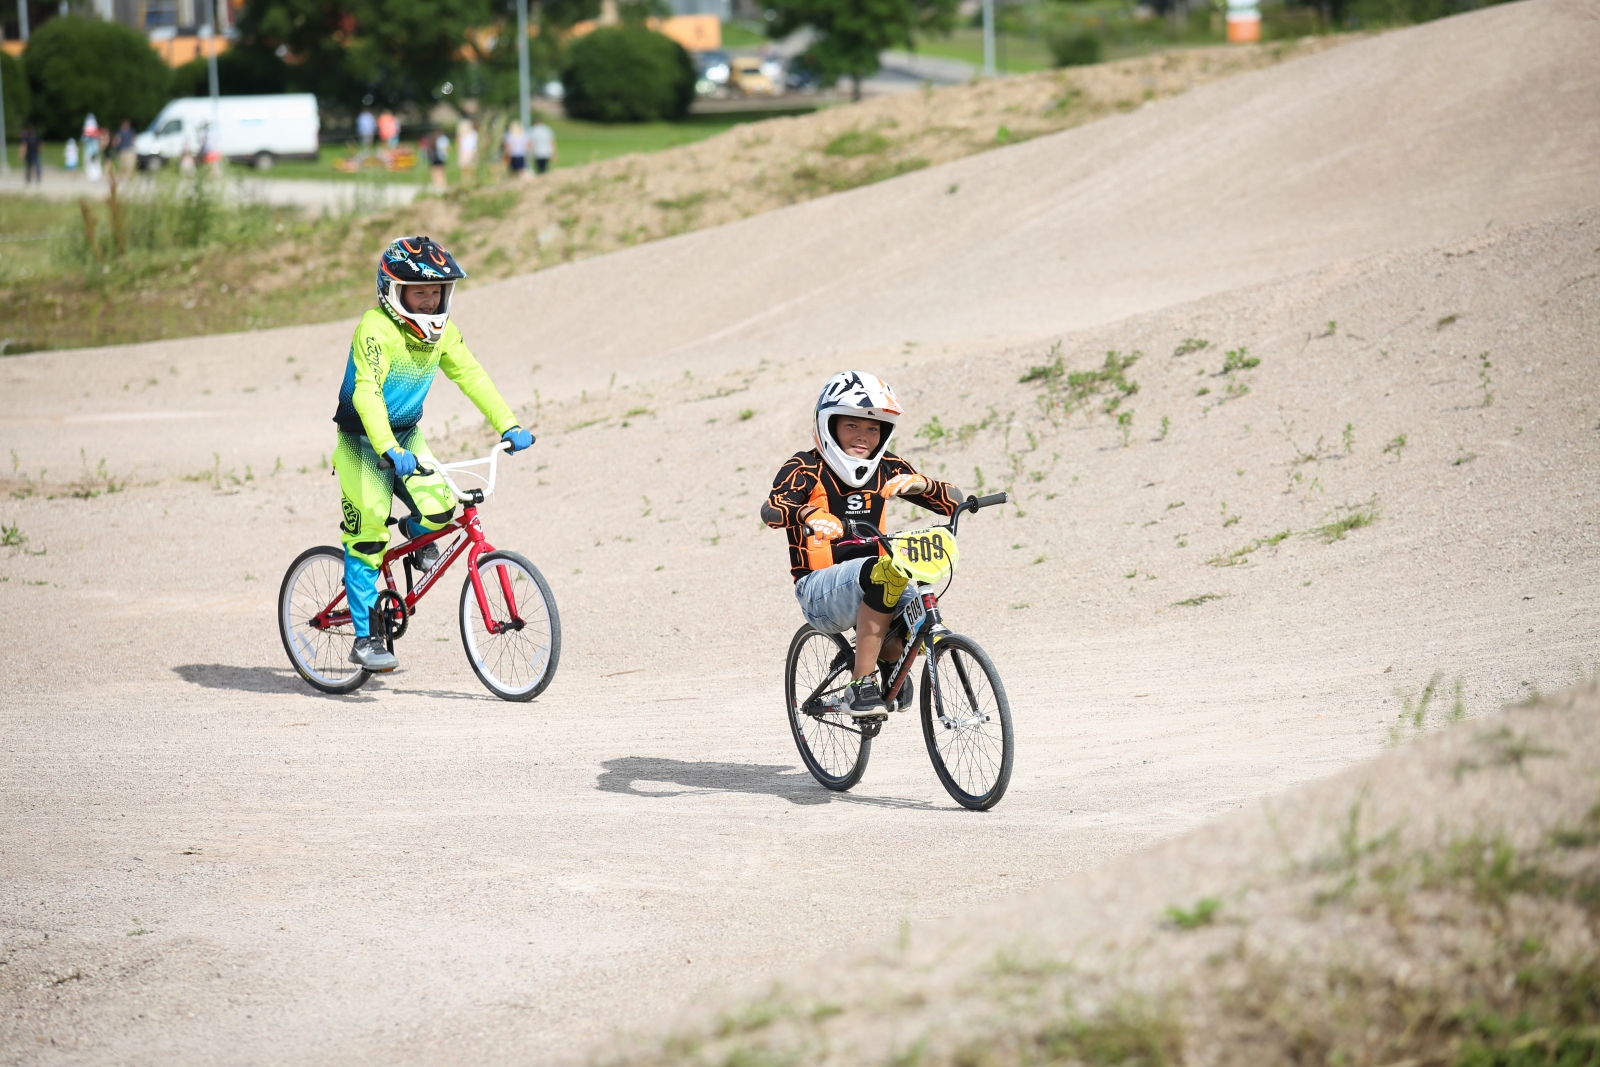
1438 905
1356 451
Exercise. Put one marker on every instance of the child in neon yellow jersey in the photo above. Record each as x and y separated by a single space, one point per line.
397 348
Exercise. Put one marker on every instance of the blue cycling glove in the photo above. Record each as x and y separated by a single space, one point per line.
518 437
405 463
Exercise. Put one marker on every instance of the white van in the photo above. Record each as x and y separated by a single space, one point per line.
253 129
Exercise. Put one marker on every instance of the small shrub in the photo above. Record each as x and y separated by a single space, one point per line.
627 74
1074 48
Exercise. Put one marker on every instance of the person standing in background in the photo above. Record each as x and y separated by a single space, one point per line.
69 154
389 129
542 139
366 128
438 158
516 150
466 146
127 153
32 158
91 148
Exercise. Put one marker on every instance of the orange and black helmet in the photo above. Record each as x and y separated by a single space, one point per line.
417 261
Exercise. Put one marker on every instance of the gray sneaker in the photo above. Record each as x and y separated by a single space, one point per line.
370 654
426 556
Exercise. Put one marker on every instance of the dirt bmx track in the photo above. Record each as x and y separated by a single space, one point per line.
202 861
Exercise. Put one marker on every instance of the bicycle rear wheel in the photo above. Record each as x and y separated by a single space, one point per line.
833 747
321 654
513 652
966 722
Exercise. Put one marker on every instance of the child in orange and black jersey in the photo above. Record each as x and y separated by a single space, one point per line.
850 475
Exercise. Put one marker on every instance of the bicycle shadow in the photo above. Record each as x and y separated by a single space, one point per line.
274 680
701 777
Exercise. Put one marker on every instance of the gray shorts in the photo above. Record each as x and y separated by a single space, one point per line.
831 599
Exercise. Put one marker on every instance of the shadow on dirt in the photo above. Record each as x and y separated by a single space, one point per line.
793 785
249 679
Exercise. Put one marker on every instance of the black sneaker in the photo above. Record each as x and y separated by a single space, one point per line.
863 699
370 654
902 699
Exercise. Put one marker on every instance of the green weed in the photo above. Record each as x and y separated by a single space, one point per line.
933 431
1351 517
853 143
1125 426
1190 344
1446 321
746 414
1204 913
1396 445
1240 555
1196 601
1349 437
1484 380
1166 427
12 536
1238 359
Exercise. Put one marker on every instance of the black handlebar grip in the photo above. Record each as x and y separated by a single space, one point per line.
424 471
989 501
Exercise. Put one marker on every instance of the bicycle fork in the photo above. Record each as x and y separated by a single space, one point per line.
481 546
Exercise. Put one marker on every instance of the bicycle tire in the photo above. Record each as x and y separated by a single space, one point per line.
519 663
321 657
836 751
967 725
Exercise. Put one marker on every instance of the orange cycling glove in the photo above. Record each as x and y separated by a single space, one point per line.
825 525
904 485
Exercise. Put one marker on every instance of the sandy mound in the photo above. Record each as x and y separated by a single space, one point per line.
1427 907
205 861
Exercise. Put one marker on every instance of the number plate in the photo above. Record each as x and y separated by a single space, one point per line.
915 613
926 555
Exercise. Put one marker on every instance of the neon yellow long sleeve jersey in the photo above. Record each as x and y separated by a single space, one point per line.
389 374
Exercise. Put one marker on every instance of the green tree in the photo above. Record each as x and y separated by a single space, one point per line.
241 71
627 74
14 83
851 33
78 65
398 51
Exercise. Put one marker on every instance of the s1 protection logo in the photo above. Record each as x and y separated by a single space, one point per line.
857 504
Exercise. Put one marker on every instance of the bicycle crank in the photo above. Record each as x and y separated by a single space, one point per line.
396 616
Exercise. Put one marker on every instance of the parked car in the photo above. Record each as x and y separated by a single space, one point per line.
246 129
746 76
711 72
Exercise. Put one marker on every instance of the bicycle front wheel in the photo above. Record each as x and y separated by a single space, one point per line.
966 721
833 747
514 651
320 653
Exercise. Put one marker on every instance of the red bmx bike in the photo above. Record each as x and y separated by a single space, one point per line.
508 615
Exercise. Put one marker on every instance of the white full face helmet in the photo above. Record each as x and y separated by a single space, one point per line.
865 396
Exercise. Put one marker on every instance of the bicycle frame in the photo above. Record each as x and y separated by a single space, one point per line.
472 543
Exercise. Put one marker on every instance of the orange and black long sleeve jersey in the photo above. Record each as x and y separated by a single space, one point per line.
806 481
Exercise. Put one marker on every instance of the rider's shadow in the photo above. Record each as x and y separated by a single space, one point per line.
790 783
276 680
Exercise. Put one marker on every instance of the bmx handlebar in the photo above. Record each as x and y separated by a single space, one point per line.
492 461
972 503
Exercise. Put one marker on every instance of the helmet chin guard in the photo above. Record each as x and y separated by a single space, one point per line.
862 395
417 261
